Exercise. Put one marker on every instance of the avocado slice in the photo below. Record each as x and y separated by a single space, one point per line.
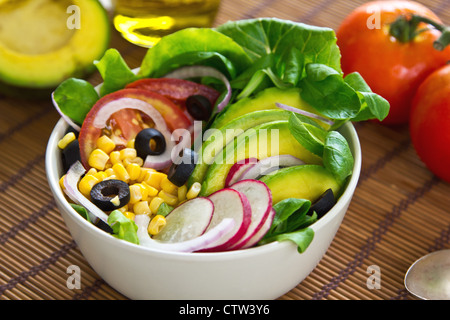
218 138
264 100
43 42
307 181
268 139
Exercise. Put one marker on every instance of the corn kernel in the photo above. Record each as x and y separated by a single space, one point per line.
156 224
168 198
152 192
168 186
61 182
106 144
144 191
135 160
154 179
123 209
121 172
144 173
86 183
134 170
101 175
155 203
115 201
68 138
194 190
110 172
182 191
141 207
92 171
98 159
127 153
135 193
130 143
114 157
129 215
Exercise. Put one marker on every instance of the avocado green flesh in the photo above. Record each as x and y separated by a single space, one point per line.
219 138
266 140
301 182
264 100
44 42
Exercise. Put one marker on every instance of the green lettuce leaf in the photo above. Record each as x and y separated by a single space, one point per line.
123 228
337 156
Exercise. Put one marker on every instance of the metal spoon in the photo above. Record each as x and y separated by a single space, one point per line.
429 277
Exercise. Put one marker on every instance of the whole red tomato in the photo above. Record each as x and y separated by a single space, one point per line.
392 67
430 122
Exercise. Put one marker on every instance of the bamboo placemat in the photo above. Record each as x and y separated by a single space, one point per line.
399 211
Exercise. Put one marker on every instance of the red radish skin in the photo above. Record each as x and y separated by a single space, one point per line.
229 203
260 199
238 169
187 221
262 231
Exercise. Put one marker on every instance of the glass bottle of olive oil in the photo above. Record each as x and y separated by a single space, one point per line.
144 22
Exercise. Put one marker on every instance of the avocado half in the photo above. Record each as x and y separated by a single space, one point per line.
43 42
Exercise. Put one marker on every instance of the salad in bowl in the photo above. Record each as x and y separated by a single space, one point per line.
223 141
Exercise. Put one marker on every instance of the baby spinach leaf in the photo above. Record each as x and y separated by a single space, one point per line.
373 105
337 156
75 97
325 89
302 238
114 71
285 209
193 40
308 135
81 211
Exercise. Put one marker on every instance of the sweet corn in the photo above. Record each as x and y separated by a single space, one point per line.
129 215
127 153
168 198
168 186
114 157
61 182
86 183
152 192
110 172
135 160
144 173
106 144
98 159
92 171
156 224
68 138
182 191
123 209
154 179
155 203
121 172
141 207
194 190
134 170
130 144
135 193
101 175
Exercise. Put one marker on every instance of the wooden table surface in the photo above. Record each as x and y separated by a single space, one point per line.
400 210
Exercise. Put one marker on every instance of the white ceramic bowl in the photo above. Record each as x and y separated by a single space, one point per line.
265 272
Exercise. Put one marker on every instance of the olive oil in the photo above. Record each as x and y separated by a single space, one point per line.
144 22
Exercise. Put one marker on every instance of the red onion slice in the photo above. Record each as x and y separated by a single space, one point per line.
305 113
65 117
70 182
203 71
192 245
268 165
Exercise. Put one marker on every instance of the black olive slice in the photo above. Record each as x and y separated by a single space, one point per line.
322 205
103 192
70 154
180 172
199 107
144 146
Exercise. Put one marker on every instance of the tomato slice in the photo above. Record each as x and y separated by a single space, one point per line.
124 124
177 90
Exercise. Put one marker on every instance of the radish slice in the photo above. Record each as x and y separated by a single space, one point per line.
305 113
70 182
260 199
229 203
238 169
65 117
187 221
269 165
195 244
262 231
203 71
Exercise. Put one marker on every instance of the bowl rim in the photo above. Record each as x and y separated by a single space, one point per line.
52 167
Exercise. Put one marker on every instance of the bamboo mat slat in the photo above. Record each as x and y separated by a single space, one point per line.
399 211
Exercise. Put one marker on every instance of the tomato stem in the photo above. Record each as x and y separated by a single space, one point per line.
405 29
